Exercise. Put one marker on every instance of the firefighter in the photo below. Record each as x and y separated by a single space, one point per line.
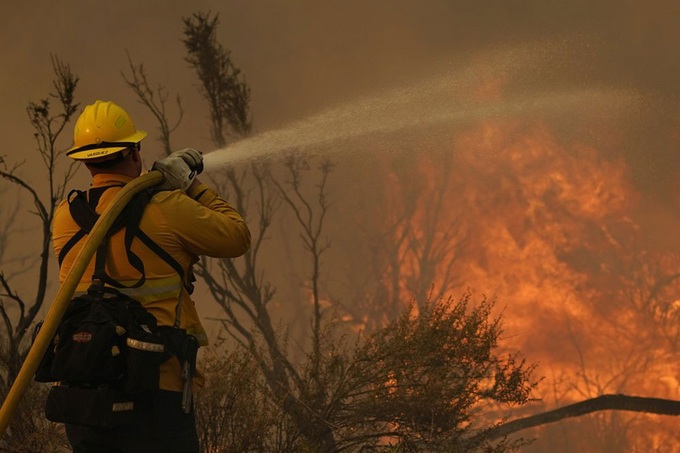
186 219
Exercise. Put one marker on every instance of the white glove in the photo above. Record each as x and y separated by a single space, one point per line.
179 169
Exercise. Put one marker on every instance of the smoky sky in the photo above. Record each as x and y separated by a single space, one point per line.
301 57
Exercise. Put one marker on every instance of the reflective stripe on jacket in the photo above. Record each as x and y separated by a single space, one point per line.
185 225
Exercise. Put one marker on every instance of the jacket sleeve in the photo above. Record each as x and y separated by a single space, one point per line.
207 225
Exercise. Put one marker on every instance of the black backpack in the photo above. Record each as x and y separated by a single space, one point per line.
108 348
106 339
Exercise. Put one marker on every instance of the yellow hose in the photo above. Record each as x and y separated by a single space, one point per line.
66 291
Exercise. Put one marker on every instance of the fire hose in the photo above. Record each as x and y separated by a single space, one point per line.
66 291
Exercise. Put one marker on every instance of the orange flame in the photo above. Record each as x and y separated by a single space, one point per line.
552 230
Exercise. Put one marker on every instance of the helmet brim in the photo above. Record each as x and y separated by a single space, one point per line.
89 152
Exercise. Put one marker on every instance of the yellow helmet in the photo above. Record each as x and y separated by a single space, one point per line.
103 128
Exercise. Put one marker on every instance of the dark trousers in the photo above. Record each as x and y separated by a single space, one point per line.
159 426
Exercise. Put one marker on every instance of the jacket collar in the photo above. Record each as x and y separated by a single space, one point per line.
109 179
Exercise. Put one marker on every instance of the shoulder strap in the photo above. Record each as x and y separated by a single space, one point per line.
137 206
130 218
82 207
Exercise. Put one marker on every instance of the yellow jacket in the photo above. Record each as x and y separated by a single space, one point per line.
185 225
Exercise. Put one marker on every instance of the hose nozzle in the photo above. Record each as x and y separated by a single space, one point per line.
197 169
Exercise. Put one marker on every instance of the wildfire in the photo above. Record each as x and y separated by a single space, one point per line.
550 230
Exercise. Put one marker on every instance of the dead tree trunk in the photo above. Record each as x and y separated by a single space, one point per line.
601 403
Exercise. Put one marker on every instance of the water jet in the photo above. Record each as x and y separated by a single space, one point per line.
445 99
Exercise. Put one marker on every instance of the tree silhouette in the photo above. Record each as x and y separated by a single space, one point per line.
18 311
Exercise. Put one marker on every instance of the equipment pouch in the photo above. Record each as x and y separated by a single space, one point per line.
144 354
89 350
94 407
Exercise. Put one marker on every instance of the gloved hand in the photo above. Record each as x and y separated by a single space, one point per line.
179 169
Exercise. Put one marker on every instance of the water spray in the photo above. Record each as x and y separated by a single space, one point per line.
406 110
447 98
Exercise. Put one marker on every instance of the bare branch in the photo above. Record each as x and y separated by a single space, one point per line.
155 101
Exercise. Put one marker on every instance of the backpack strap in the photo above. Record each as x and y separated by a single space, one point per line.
165 256
82 207
128 218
